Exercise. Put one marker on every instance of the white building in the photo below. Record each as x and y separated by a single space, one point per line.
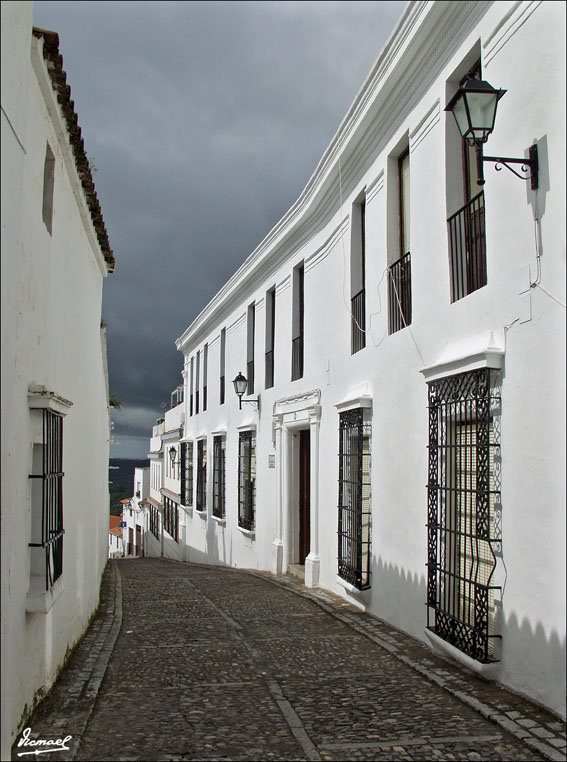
135 516
55 422
115 540
402 333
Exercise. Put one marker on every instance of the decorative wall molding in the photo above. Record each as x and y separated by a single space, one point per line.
375 187
507 28
429 121
321 253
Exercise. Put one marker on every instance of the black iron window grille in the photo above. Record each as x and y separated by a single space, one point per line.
49 534
467 248
187 474
204 398
358 325
154 521
464 511
171 518
201 475
221 392
247 480
269 369
219 476
399 294
196 402
297 358
191 404
354 499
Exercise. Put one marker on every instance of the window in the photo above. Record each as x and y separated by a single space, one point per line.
191 387
205 362
187 474
197 381
358 277
399 271
222 361
354 499
47 500
219 444
250 328
48 185
463 502
171 518
154 521
201 475
297 323
247 480
270 336
466 226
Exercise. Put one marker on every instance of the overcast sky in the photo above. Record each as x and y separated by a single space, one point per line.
204 121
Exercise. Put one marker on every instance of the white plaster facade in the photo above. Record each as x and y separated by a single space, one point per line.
134 515
54 261
515 325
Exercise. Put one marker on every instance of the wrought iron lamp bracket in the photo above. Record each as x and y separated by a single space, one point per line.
255 402
527 165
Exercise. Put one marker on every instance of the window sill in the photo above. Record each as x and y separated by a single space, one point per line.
39 600
352 589
187 508
250 533
442 647
202 514
219 521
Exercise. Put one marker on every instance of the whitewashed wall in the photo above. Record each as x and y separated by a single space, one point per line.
51 336
520 46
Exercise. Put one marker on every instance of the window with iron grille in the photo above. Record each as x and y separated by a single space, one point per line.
247 480
171 518
270 337
354 499
154 521
187 474
358 277
463 511
399 272
219 443
47 497
205 373
201 475
250 334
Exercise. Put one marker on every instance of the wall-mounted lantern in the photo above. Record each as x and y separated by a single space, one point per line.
240 386
474 108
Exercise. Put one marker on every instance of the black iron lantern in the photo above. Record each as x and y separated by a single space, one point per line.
172 454
474 108
240 384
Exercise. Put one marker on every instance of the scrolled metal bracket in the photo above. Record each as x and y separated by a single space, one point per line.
527 165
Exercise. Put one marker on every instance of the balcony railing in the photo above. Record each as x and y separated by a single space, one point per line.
269 369
399 294
250 371
358 326
467 248
297 358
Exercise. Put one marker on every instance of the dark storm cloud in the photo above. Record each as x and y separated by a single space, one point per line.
204 120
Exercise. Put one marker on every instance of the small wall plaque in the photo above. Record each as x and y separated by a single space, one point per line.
271 461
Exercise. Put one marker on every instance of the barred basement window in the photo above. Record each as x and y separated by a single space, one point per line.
201 475
463 511
187 474
219 443
171 518
47 526
354 499
247 480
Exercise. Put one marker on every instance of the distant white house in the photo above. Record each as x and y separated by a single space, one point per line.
115 541
401 337
135 515
55 421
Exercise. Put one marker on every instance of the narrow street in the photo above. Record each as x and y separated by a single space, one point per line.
188 662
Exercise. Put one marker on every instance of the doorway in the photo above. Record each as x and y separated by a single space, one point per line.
304 494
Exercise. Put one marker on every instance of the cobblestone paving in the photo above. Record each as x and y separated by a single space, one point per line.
220 664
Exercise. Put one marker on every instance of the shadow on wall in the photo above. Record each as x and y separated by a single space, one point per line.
399 598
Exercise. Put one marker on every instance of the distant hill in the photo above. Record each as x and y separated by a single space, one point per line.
121 480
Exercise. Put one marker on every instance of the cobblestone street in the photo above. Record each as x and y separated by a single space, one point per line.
188 662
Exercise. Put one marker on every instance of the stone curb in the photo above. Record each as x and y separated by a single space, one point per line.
541 745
